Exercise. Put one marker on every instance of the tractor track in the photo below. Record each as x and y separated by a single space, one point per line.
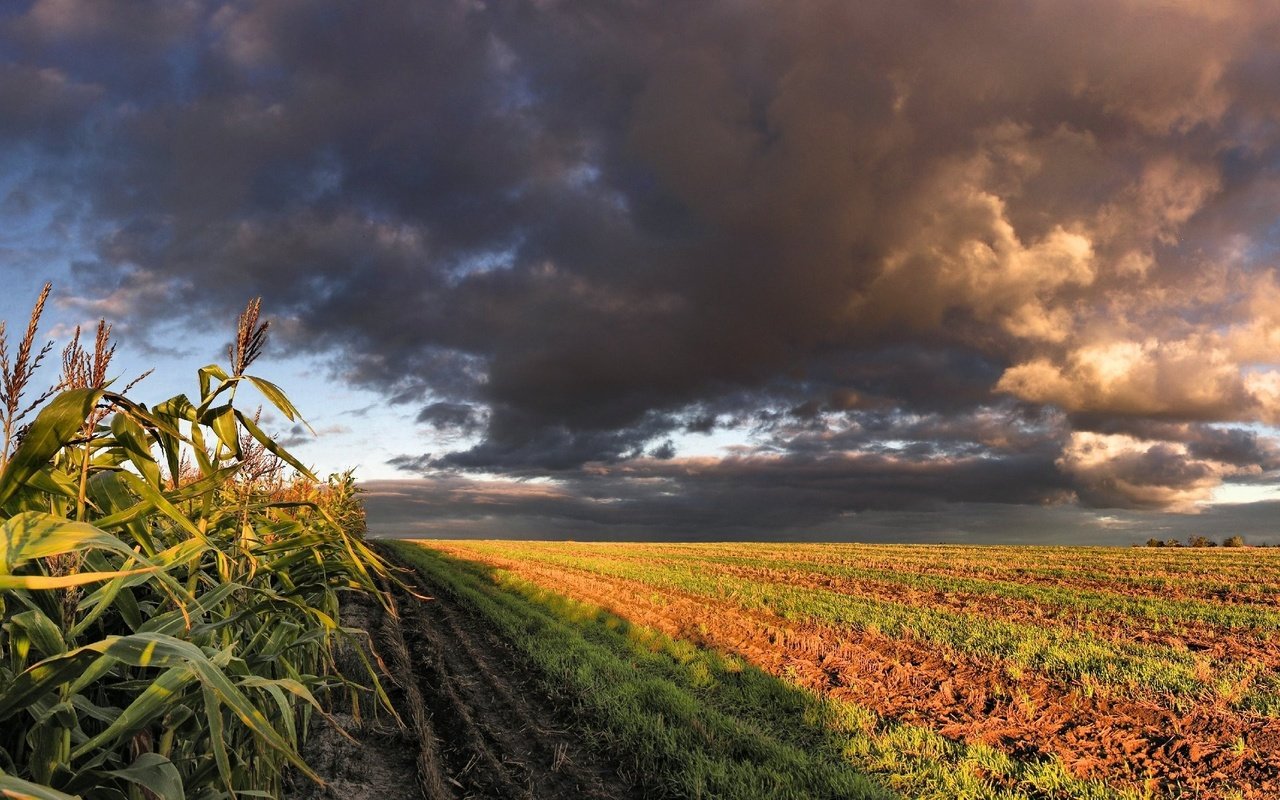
477 725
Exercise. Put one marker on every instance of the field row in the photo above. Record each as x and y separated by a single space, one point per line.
1081 687
696 722
1228 665
1233 575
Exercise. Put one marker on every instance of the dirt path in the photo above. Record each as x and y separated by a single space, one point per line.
476 723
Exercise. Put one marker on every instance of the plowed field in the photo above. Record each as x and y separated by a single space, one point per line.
951 671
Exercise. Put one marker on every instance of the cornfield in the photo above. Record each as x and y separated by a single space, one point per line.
168 618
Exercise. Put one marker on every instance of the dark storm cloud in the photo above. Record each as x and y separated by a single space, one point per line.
962 252
453 417
748 496
455 507
1239 447
42 105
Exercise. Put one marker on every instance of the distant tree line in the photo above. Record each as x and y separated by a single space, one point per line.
1198 541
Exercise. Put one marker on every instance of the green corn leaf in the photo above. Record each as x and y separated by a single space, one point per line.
208 374
152 420
173 411
127 513
298 545
127 604
298 690
13 788
121 509
116 593
222 420
91 710
201 451
213 715
176 408
41 678
153 495
278 399
173 622
131 437
46 740
87 663
55 425
156 774
125 517
41 630
53 482
286 713
153 702
34 534
149 650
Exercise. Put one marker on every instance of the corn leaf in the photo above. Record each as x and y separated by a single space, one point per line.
150 704
131 437
41 630
18 789
278 399
156 774
55 425
222 420
35 534
208 374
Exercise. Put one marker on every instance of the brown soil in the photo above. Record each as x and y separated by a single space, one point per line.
476 725
1252 582
1140 584
1207 749
1208 641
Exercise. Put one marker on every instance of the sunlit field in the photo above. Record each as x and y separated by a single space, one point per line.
827 670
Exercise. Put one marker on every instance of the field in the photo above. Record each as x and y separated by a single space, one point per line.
820 670
187 611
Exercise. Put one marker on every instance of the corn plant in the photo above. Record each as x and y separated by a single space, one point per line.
166 629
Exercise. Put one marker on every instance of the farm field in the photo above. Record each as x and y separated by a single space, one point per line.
833 670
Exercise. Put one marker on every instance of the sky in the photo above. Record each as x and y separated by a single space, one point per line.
801 269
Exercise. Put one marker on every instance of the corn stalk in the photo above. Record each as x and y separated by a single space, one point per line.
186 646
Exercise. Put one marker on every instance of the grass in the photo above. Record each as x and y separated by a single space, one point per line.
701 724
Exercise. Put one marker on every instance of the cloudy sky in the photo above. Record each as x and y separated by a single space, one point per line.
999 271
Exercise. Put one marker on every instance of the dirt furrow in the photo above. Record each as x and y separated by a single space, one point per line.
1209 641
1206 639
1250 583
478 724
